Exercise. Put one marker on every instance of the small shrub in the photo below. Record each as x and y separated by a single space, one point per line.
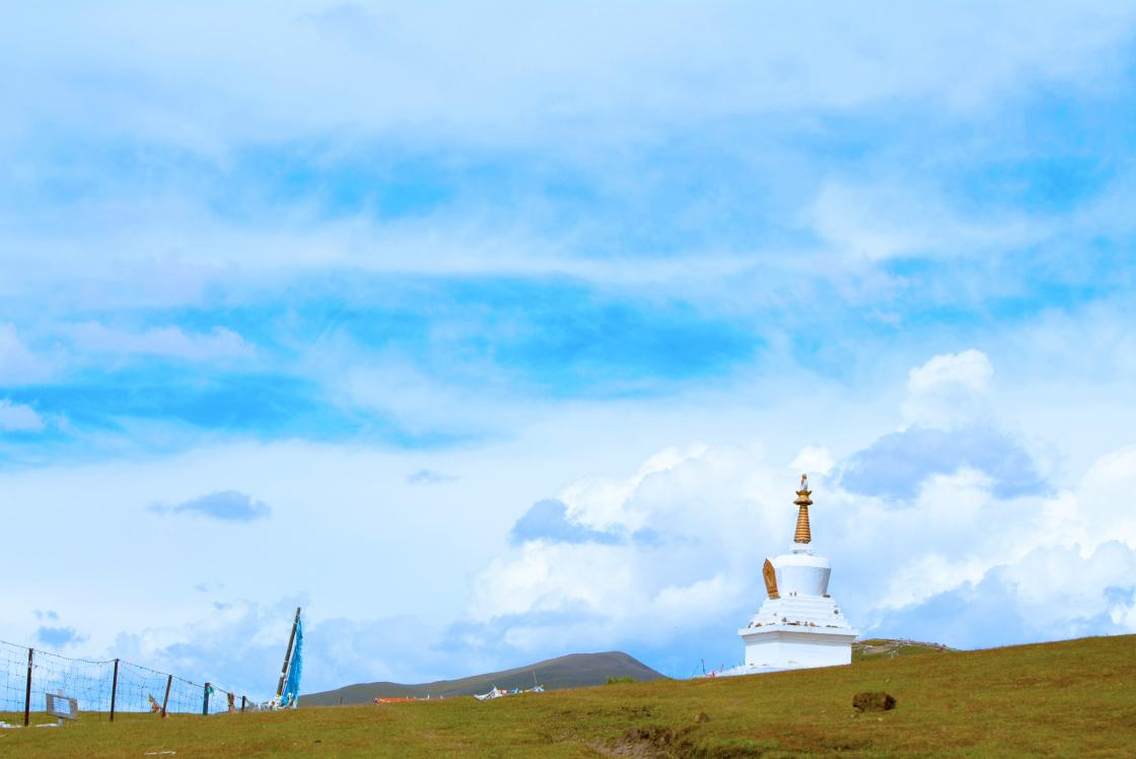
620 680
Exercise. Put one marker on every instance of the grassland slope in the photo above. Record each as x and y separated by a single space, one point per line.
1074 698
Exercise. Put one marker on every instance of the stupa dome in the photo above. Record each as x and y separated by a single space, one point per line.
800 573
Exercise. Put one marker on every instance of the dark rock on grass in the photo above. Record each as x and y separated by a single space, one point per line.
873 701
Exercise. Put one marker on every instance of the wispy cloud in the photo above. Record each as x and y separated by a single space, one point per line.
18 363
896 465
878 223
225 506
548 520
949 390
58 637
674 63
17 417
162 342
429 477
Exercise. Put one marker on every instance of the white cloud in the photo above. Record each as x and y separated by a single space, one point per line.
702 507
715 512
696 521
129 262
878 222
18 364
17 417
970 370
813 459
417 403
1101 336
949 389
601 502
1057 584
646 76
452 67
163 342
1108 507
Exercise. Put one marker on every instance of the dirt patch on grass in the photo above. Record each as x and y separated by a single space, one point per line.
661 742
654 741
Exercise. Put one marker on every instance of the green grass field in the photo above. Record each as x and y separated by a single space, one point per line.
1075 698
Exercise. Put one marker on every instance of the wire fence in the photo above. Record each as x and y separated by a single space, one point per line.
28 676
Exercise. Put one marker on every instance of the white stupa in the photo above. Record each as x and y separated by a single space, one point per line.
798 625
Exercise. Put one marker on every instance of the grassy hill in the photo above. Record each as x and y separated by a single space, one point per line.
1074 698
572 671
873 648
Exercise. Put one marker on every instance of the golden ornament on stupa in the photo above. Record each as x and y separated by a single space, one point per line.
770 575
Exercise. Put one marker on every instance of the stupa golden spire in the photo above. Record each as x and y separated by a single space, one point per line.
803 534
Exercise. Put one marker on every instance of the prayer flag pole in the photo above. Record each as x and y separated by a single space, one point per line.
287 657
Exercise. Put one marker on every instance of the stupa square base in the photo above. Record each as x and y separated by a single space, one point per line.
794 647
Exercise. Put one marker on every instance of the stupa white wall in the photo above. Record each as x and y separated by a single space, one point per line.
798 625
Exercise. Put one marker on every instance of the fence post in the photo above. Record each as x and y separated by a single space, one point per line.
28 690
205 702
113 689
166 699
243 701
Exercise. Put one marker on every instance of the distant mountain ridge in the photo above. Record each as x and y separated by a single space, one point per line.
571 671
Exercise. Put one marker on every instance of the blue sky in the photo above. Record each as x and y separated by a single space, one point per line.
496 333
